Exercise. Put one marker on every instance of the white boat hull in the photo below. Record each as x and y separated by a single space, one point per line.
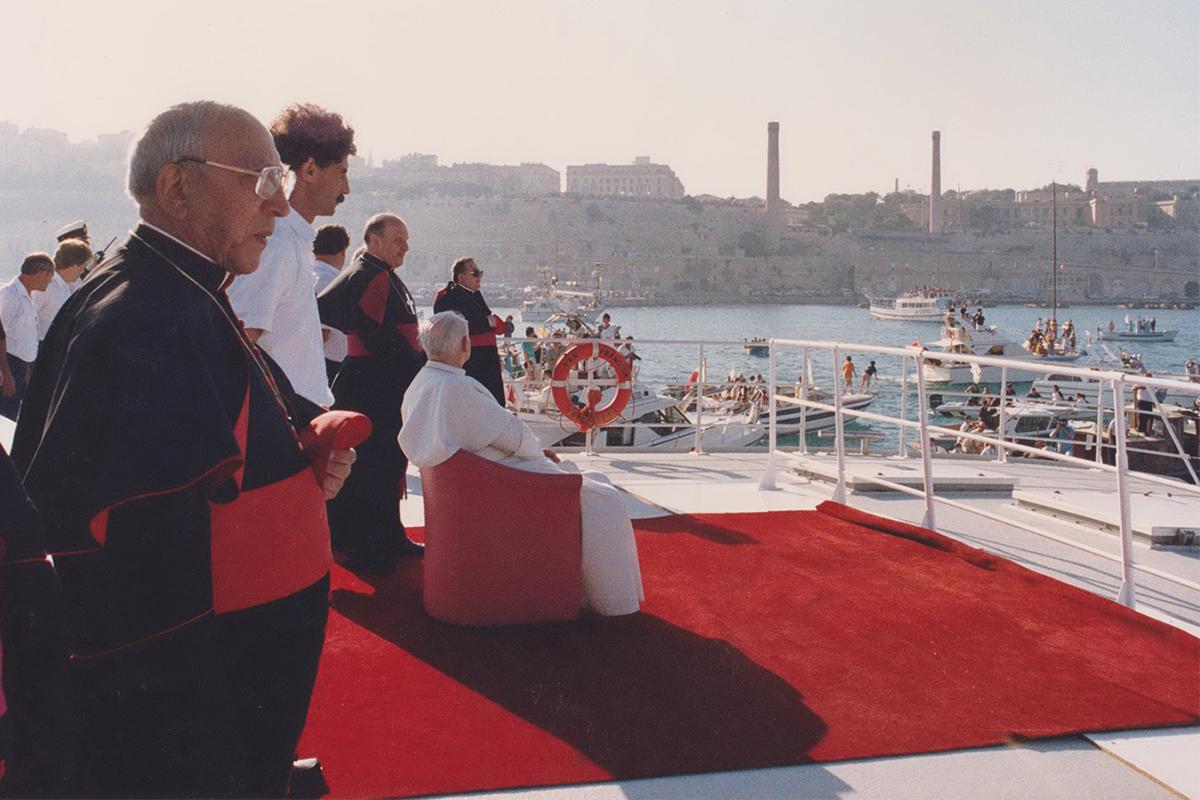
924 316
1126 336
1091 390
948 372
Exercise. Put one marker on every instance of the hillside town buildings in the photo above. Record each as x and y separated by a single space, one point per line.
422 169
1118 240
639 179
1113 205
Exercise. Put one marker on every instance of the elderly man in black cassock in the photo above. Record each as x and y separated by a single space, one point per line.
371 305
462 294
185 517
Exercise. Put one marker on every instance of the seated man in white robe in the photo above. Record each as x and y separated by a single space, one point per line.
445 411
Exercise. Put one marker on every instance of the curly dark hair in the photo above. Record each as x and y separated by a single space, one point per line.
304 130
330 240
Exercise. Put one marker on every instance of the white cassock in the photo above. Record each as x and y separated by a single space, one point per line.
445 411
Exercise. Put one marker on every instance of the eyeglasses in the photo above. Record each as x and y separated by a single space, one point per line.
478 273
270 179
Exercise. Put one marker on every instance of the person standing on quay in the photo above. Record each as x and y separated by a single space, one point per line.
462 294
372 306
277 303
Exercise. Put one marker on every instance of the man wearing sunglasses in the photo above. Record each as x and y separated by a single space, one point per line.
462 294
277 303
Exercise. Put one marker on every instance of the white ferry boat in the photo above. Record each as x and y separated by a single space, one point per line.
914 307
1099 535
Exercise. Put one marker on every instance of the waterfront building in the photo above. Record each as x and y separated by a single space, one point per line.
639 179
422 169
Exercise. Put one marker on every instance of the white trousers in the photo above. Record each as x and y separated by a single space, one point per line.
612 577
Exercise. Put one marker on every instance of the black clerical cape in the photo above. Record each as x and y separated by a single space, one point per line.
484 363
373 307
35 719
186 526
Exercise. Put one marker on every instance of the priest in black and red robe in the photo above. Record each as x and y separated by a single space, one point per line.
182 486
462 294
33 708
372 306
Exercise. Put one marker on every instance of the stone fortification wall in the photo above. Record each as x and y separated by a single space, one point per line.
709 252
683 250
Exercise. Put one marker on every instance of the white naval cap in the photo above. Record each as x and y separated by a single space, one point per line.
69 230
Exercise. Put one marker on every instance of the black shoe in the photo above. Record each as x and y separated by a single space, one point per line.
307 780
363 564
407 548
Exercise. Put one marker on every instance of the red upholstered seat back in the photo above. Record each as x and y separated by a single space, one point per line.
502 546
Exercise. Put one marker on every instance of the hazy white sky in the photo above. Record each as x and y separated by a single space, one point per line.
1022 90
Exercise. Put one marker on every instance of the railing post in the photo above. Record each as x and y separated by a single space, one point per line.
839 440
804 408
1002 456
903 403
768 478
591 384
926 445
1099 420
700 379
1162 414
1126 595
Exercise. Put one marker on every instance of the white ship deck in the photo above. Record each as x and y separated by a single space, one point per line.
1151 763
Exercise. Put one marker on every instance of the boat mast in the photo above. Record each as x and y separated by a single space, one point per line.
1054 252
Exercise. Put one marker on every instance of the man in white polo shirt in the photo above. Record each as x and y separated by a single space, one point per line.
277 303
19 318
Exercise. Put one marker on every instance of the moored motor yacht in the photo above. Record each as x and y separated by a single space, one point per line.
913 306
983 341
651 421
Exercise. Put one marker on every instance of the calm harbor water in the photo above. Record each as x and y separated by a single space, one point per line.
672 364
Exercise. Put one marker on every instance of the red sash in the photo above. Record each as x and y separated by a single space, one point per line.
483 340
271 541
355 346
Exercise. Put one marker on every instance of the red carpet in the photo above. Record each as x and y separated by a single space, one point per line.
766 639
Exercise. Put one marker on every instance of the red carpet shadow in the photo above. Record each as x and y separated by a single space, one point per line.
688 525
835 635
636 696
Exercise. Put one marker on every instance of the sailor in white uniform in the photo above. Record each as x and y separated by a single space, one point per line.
445 411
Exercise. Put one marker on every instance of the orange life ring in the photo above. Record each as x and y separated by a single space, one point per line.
589 416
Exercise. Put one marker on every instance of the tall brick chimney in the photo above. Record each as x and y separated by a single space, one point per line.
772 167
935 186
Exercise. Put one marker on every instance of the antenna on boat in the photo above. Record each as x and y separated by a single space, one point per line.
1054 251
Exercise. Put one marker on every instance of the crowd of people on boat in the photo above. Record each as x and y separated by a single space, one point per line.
964 315
200 432
1140 325
529 363
1047 338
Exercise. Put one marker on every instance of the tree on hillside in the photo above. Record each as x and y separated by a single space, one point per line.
752 244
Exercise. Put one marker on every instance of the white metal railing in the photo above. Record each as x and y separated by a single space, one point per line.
918 356
1112 383
699 426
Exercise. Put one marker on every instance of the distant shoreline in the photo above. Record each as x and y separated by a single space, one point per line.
795 301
